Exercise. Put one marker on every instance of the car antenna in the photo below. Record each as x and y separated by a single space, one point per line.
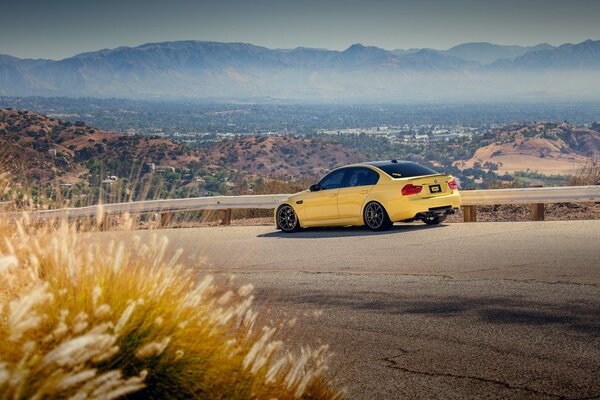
394 161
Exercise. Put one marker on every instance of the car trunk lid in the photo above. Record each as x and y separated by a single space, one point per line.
433 185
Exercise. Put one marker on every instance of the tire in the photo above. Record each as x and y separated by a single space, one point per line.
286 219
376 218
434 220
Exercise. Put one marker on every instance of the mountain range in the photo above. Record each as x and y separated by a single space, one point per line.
213 70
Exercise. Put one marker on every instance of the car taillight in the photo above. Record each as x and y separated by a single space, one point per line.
411 189
452 184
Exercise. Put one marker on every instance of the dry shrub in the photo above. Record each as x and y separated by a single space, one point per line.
588 173
82 318
278 186
270 186
499 184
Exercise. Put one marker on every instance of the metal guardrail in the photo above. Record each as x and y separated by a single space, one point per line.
160 206
564 194
536 197
470 198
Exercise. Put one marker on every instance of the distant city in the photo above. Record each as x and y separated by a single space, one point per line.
195 122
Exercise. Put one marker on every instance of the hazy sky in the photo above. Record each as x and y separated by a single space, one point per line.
58 29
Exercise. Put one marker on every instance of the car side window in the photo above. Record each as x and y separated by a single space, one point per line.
333 180
360 177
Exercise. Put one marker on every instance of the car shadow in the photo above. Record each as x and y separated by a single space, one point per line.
346 231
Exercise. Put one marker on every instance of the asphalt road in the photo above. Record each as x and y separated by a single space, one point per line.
458 311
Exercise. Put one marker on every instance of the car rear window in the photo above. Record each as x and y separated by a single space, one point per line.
406 170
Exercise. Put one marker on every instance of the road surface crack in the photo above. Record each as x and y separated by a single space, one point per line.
393 364
537 281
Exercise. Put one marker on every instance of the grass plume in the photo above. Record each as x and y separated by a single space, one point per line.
82 318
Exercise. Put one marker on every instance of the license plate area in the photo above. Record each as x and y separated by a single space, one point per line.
435 189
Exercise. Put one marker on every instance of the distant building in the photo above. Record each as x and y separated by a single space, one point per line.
162 168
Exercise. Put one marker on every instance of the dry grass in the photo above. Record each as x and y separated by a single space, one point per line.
100 320
587 173
518 212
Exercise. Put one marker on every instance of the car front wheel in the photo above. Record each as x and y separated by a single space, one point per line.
287 220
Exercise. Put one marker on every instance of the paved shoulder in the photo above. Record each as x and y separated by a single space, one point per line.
547 251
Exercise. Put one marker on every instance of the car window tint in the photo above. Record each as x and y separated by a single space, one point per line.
333 180
360 177
406 170
371 177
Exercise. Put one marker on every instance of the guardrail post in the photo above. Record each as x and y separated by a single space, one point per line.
537 212
226 217
105 223
470 213
165 219
537 209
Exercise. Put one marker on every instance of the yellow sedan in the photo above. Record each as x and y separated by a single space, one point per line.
375 194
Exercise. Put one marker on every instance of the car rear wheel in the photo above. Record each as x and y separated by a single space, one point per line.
287 220
434 220
376 218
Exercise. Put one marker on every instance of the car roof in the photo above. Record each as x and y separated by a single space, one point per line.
387 162
377 163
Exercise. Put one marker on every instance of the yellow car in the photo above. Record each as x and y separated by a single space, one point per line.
375 194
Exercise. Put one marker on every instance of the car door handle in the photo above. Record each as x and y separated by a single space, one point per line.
332 195
364 192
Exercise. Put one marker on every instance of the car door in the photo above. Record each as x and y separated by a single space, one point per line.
358 183
321 205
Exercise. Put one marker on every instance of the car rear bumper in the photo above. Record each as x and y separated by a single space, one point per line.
417 208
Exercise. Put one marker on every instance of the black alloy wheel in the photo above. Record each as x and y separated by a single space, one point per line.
287 220
376 218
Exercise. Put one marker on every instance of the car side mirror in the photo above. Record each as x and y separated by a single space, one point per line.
315 188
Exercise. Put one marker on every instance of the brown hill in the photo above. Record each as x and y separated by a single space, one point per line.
545 148
280 156
40 149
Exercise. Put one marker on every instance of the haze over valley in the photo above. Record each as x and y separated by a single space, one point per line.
223 71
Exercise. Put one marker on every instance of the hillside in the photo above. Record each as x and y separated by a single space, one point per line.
40 149
281 156
487 53
43 152
581 56
546 148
